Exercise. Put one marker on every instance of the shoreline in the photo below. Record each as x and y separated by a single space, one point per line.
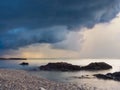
22 80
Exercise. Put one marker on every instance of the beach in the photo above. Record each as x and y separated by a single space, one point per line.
21 80
14 76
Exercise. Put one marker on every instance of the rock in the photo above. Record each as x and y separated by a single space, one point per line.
82 77
41 88
112 76
97 66
101 76
60 66
24 63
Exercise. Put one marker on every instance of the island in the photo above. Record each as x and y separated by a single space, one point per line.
13 58
63 66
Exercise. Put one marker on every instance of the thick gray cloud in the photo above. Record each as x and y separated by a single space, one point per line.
24 22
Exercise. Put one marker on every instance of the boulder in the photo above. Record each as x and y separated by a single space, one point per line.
60 66
112 76
97 66
24 63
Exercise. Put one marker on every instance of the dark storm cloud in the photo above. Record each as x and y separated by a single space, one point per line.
24 22
44 13
21 37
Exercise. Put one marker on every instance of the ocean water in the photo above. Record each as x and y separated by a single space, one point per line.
91 82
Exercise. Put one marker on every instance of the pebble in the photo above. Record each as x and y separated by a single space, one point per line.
22 80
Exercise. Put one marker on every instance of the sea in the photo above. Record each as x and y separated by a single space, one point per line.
81 78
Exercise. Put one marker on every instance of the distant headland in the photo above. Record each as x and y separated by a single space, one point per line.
13 58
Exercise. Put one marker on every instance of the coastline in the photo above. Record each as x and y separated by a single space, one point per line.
14 76
22 80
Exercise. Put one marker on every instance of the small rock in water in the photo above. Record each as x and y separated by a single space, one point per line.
24 63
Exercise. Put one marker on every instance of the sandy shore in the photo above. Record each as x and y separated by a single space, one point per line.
21 80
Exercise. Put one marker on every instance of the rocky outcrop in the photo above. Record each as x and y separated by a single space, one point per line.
24 63
97 66
60 66
111 76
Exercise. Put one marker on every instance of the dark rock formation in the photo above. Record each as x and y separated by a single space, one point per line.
97 66
102 76
60 66
24 63
111 76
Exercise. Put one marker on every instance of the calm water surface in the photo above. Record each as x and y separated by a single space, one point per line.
91 82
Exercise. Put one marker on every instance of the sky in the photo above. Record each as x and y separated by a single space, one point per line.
60 28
